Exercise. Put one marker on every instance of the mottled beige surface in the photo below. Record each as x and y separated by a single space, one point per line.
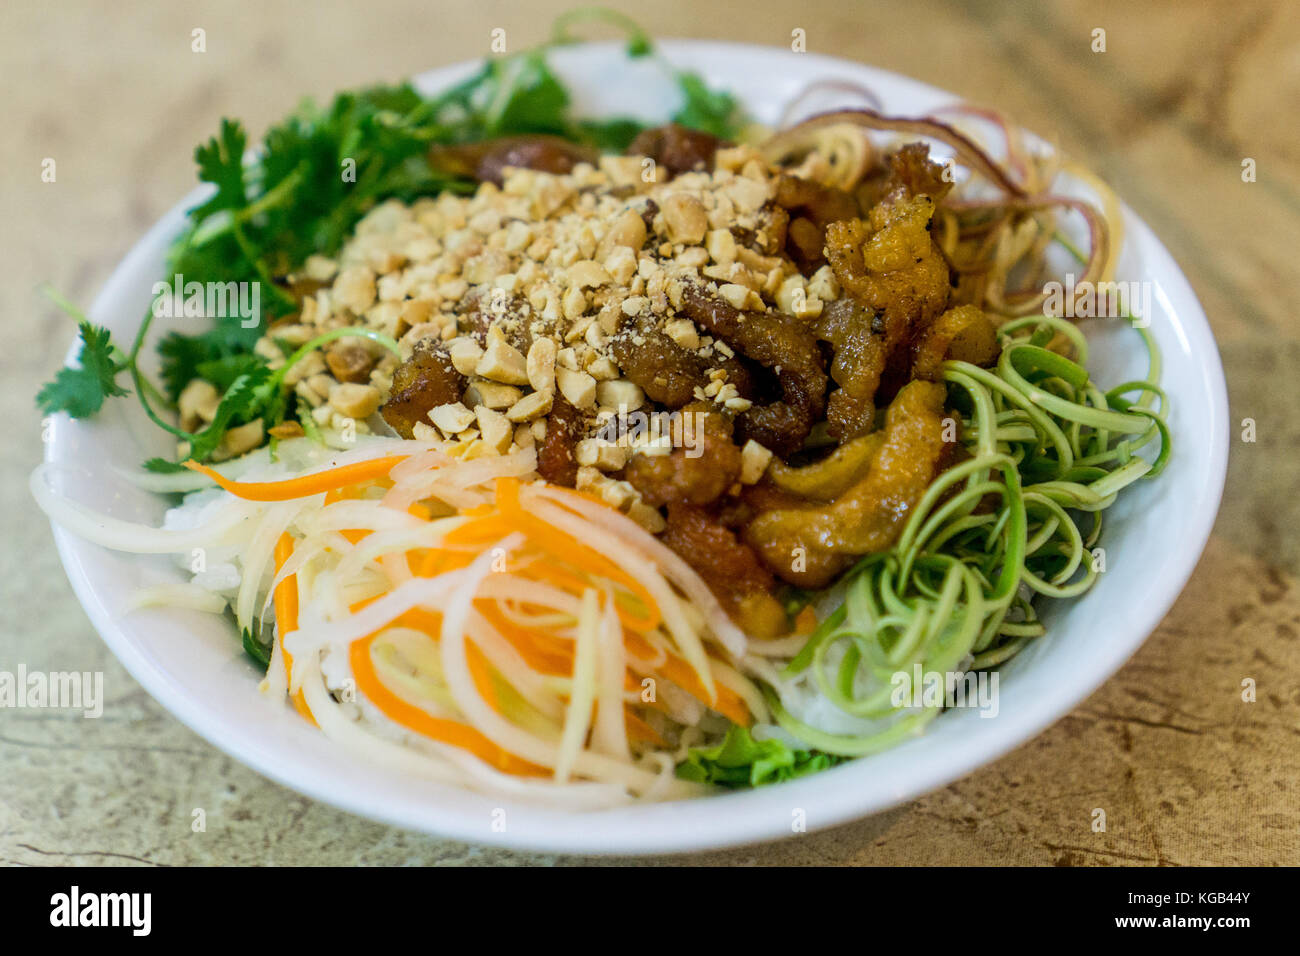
1188 773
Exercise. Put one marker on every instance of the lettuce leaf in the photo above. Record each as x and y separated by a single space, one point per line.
742 761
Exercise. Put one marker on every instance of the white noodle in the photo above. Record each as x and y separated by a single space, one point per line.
178 594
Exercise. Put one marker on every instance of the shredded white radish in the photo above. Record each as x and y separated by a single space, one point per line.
583 692
687 640
257 556
609 735
429 592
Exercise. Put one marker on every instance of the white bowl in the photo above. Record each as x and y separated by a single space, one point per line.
193 665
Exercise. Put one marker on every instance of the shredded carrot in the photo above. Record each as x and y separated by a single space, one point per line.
574 552
507 493
430 623
640 730
550 555
481 672
478 532
286 614
303 486
554 544
531 647
438 561
416 558
806 621
730 704
422 722
417 617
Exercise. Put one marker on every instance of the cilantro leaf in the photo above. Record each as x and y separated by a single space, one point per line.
81 391
528 99
221 162
162 466
181 356
610 135
713 111
242 401
223 372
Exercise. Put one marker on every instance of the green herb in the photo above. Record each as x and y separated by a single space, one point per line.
609 136
254 648
223 372
714 111
162 466
309 426
242 401
221 162
81 391
181 357
742 761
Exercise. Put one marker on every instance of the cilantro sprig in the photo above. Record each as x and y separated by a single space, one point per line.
81 391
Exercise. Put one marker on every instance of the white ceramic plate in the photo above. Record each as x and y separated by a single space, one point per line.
192 663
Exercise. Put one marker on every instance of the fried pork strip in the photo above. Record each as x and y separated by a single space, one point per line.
777 342
808 546
556 454
668 373
677 149
811 207
423 382
730 567
697 475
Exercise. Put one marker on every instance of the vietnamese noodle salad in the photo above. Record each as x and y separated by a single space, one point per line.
591 460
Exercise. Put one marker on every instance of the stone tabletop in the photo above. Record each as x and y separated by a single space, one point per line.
1189 773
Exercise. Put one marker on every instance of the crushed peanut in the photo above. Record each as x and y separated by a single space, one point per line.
528 286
